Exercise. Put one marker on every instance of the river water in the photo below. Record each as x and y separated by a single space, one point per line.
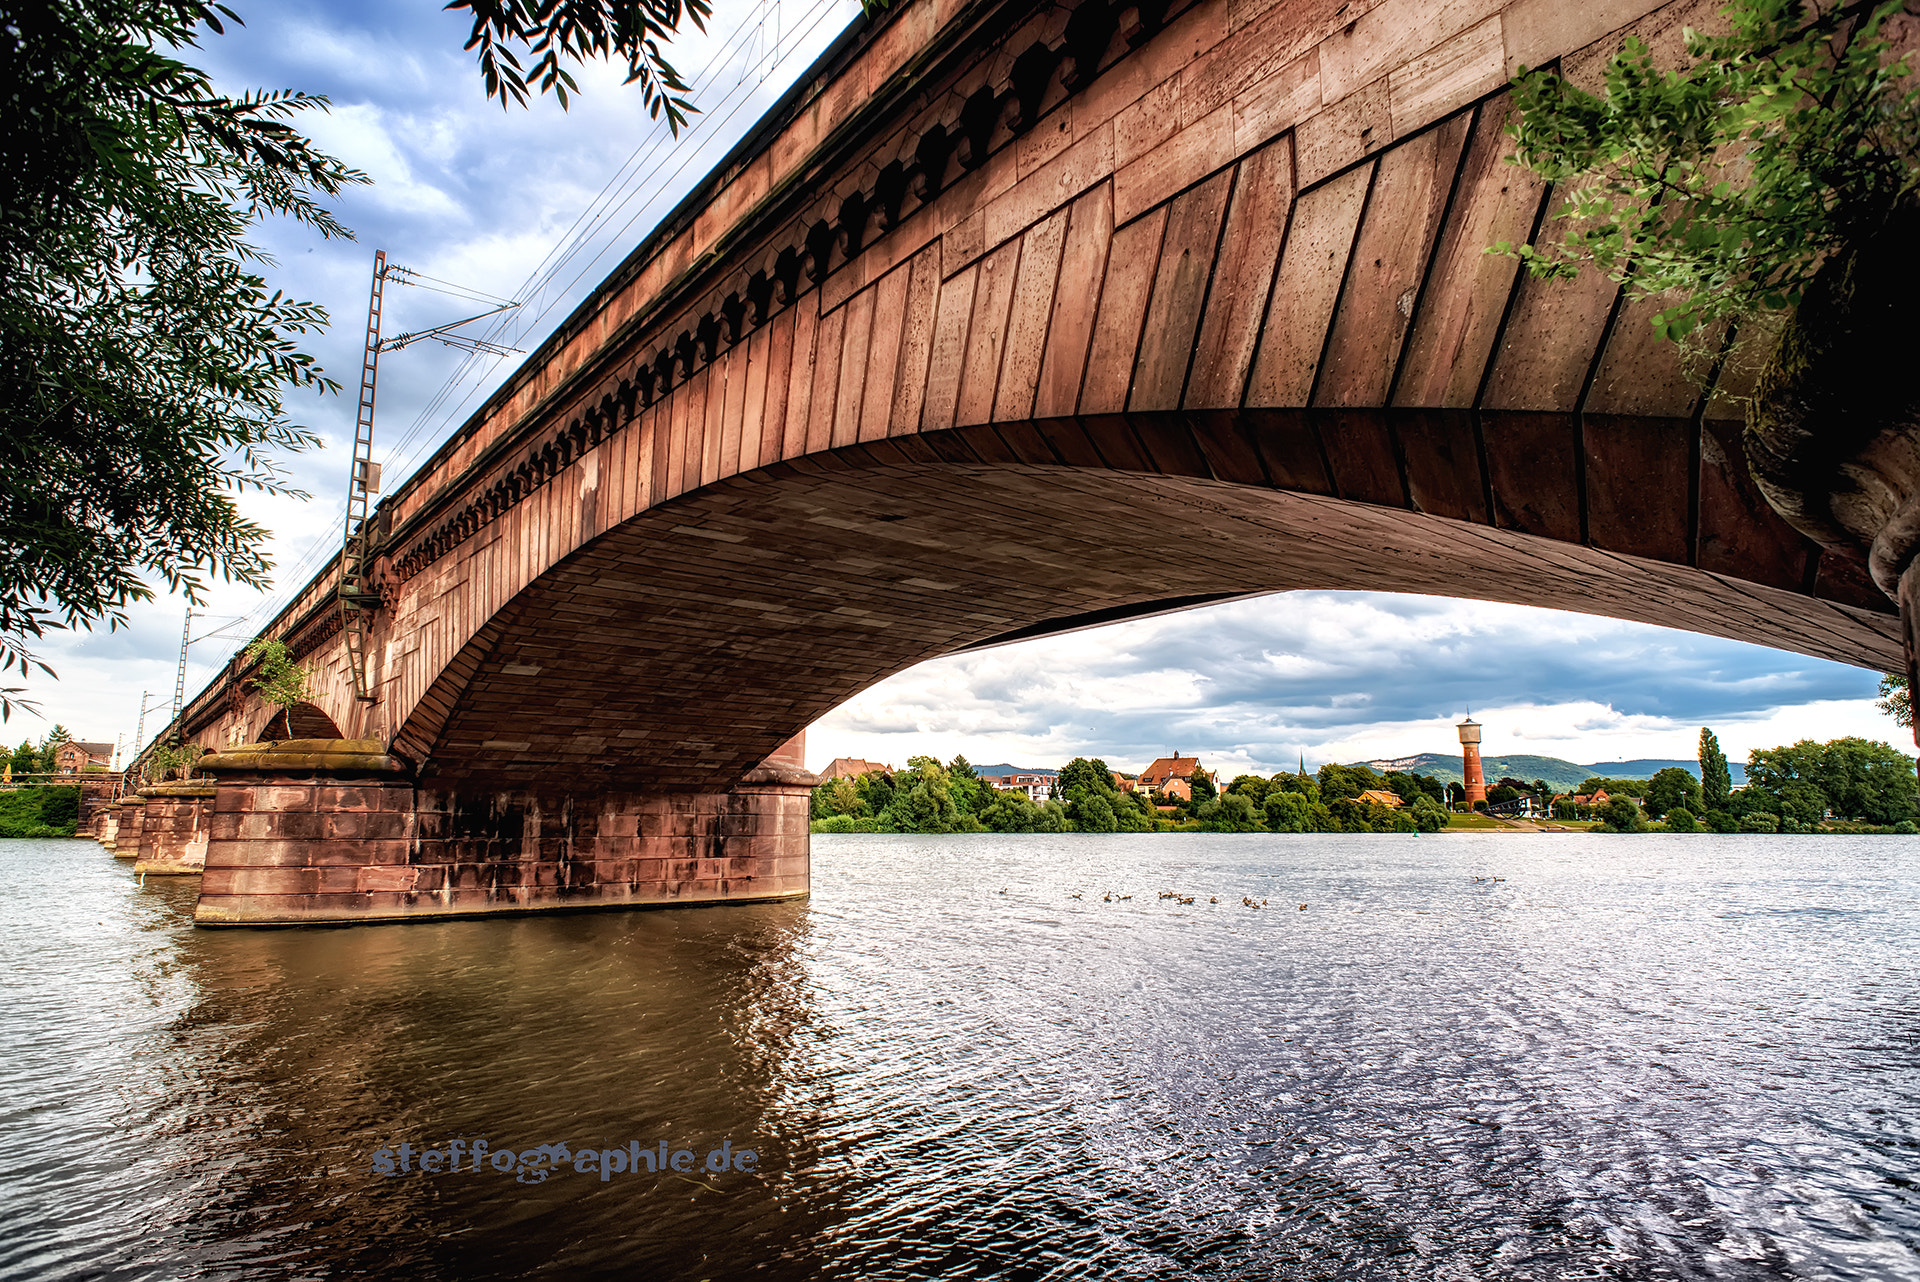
1635 1057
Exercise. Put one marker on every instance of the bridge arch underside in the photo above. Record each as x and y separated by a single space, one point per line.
679 649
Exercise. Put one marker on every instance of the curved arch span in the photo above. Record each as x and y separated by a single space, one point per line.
301 721
680 648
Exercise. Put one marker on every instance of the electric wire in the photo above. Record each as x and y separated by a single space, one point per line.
613 196
637 175
531 314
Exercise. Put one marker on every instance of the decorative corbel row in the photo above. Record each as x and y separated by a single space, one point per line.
919 174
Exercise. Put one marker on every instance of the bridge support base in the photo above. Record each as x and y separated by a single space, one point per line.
126 837
332 832
173 829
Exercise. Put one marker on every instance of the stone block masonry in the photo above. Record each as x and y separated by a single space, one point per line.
315 832
173 828
126 838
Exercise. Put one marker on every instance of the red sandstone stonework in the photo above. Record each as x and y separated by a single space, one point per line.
316 831
173 828
1216 267
126 840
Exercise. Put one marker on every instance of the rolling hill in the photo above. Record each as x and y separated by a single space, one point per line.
1002 769
1445 766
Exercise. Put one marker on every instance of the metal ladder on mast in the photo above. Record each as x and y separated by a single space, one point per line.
180 678
356 595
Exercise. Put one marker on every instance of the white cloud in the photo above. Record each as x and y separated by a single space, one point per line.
1352 676
370 135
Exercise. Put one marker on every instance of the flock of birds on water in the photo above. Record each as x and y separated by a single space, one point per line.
1246 901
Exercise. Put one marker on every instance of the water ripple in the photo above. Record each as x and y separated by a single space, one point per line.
1657 1057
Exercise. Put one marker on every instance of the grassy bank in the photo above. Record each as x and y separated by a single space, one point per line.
39 812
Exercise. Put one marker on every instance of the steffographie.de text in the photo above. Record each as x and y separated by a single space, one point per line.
534 1165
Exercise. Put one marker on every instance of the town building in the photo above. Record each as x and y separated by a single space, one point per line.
853 768
1171 776
1391 800
73 757
1036 787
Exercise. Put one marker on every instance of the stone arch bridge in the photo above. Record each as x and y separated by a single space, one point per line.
1012 317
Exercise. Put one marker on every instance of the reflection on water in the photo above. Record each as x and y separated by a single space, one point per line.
1636 1057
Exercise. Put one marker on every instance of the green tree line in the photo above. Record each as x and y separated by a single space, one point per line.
1846 784
1842 785
928 797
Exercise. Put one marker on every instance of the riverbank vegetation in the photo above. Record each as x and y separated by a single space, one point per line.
39 812
928 797
1846 785
1843 785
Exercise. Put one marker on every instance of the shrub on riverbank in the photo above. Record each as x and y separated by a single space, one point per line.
39 812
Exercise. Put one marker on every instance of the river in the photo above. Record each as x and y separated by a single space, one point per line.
1633 1057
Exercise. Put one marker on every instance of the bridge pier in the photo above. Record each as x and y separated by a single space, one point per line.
173 829
106 824
132 812
336 831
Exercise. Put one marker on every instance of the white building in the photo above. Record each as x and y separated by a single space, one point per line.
1036 787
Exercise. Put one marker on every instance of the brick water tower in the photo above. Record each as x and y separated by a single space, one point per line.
1470 773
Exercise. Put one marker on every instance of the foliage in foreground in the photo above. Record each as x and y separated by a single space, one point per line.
143 357
1731 181
581 31
1895 699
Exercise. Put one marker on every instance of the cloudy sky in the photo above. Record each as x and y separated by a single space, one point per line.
538 204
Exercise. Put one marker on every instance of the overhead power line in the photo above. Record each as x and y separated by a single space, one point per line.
755 51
